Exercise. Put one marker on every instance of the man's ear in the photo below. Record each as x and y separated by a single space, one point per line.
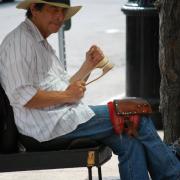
33 9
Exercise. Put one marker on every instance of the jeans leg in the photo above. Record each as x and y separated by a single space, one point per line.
131 156
132 161
162 163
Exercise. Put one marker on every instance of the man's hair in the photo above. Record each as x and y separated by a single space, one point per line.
38 6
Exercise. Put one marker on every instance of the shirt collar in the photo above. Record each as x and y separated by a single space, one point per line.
37 35
34 30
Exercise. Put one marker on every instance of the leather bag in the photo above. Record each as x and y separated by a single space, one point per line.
125 114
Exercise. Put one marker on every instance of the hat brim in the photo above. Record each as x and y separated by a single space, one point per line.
71 11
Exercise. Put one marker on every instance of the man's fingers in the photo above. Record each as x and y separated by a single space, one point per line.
83 88
81 83
95 53
92 48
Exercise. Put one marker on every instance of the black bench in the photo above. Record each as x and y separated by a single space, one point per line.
82 154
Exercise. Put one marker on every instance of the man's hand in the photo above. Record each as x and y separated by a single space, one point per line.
93 56
75 91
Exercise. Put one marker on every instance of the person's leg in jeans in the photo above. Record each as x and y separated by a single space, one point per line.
162 162
132 152
132 161
136 155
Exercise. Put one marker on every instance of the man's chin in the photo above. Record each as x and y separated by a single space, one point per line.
54 30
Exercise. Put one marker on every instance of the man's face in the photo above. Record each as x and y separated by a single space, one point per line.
49 19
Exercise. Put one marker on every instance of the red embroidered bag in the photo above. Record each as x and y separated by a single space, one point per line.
125 114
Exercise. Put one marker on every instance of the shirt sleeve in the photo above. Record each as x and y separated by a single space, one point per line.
18 66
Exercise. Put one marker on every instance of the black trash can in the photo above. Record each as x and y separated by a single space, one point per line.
142 52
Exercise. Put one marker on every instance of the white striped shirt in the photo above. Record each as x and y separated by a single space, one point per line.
28 63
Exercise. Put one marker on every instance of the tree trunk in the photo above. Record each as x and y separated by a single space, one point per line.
169 61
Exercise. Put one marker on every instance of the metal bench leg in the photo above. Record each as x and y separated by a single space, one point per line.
99 173
90 173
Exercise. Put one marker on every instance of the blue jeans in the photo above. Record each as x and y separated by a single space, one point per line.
137 156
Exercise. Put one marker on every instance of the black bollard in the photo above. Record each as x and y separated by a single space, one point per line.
142 52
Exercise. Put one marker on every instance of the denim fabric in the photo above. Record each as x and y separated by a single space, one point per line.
162 162
136 156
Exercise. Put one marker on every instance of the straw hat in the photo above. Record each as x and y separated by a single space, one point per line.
59 3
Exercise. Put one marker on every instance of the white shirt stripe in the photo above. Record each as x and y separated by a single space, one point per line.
28 63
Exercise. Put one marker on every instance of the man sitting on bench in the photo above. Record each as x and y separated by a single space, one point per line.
47 102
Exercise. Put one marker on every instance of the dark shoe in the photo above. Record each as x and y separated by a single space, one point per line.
176 147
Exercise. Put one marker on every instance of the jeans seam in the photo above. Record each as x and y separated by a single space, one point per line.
130 164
